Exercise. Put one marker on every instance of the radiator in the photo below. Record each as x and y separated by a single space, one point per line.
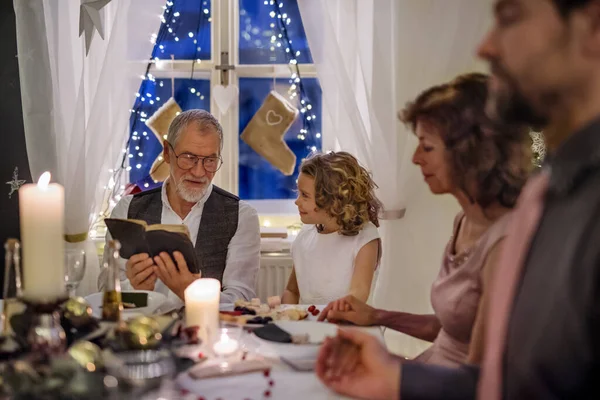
275 269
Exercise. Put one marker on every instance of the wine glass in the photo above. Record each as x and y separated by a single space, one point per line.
74 269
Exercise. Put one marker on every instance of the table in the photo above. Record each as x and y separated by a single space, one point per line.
288 383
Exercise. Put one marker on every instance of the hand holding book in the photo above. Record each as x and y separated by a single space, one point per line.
140 273
174 272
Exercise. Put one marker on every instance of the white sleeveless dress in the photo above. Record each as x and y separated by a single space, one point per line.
324 263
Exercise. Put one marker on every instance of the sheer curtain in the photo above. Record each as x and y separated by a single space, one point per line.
76 108
372 56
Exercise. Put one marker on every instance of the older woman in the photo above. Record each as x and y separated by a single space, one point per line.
462 153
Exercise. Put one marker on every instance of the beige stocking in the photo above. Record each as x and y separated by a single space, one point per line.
265 131
159 124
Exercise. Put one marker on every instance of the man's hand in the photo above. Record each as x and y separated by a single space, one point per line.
349 309
140 273
177 278
358 365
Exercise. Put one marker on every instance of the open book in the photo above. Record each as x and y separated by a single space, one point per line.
137 236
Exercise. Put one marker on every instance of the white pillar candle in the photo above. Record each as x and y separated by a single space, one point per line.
41 210
202 307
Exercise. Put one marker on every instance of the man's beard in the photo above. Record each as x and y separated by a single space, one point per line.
188 194
509 104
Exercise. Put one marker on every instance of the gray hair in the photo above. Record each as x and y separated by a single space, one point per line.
205 123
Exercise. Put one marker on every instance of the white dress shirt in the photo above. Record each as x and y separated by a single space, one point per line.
243 253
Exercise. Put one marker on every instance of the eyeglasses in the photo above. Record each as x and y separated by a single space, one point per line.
187 161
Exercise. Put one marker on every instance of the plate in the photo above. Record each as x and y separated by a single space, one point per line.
155 300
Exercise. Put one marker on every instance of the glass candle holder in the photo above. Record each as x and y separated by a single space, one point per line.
227 344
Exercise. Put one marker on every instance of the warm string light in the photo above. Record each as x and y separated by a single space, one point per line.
114 190
281 40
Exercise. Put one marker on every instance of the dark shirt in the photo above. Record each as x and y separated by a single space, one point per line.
553 343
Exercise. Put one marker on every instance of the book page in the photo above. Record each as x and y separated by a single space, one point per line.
170 228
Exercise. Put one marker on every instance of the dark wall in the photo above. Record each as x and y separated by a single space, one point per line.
12 140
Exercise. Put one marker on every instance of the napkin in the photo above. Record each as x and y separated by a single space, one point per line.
235 368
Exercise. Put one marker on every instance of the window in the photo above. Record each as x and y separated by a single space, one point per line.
198 36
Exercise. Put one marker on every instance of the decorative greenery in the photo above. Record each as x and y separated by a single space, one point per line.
61 379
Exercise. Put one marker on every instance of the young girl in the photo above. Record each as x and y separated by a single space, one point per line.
338 249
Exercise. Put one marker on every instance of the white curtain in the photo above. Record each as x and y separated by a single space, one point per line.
372 56
76 108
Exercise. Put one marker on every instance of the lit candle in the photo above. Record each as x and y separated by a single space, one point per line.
226 346
41 210
202 306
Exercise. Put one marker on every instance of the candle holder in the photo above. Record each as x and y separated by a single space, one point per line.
227 344
46 337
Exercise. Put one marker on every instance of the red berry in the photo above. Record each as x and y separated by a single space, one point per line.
311 309
317 311
201 398
200 355
267 393
271 382
267 372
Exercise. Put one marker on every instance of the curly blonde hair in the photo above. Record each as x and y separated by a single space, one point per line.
344 189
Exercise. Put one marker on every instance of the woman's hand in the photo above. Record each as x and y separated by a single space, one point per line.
349 309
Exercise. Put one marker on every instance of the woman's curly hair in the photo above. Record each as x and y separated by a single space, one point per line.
489 161
344 189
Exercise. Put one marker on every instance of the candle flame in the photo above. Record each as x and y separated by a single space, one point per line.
44 180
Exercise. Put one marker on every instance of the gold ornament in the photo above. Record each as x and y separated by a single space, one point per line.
87 354
141 333
78 312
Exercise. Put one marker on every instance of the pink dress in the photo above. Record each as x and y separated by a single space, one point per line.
456 293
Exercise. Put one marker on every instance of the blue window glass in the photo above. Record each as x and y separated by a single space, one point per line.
258 179
187 31
144 146
260 40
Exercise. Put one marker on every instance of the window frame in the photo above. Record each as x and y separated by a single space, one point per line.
225 38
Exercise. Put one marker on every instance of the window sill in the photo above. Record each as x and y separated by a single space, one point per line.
275 208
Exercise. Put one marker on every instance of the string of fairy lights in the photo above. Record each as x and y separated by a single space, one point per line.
280 21
279 40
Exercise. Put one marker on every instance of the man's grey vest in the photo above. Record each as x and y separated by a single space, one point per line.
218 224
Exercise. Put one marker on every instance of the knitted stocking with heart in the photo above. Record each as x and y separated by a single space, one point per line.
264 133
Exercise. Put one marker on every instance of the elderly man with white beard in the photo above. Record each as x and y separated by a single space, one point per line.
224 229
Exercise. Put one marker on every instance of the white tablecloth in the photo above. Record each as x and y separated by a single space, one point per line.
288 383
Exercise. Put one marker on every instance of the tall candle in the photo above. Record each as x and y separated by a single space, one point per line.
41 210
202 307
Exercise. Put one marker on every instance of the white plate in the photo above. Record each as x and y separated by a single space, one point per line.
155 300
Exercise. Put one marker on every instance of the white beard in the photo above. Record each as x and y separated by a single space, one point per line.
191 195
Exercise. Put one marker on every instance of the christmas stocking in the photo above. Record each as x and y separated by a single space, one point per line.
159 124
264 133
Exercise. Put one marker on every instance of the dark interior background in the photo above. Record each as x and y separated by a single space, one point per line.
12 140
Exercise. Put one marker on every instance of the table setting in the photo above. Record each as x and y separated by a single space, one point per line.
137 344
